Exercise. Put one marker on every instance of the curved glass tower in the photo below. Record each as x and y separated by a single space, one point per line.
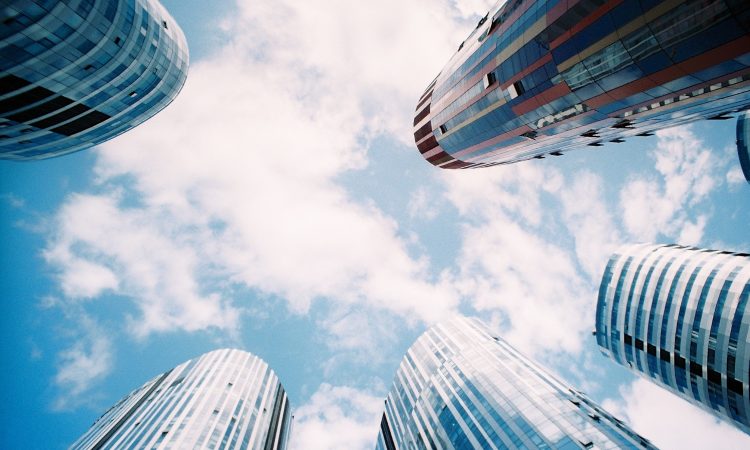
74 74
743 142
679 317
225 399
461 387
541 77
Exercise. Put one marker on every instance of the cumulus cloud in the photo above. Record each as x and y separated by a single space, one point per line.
590 222
423 205
338 418
735 177
84 363
670 422
237 182
662 206
96 238
512 267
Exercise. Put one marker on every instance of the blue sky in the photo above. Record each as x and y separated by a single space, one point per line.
279 206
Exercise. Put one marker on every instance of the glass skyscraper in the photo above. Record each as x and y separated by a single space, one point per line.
461 387
743 143
678 316
76 73
225 399
541 77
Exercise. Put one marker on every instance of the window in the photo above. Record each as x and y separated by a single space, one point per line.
516 89
489 79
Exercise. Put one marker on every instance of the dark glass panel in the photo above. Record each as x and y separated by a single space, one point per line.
41 110
24 99
82 123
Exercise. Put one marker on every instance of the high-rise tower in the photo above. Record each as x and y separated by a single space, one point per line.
461 387
743 143
225 399
541 77
76 73
678 316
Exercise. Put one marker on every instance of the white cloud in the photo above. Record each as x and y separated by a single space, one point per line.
362 54
236 182
528 285
83 364
670 422
423 205
692 231
96 238
590 222
470 8
338 418
735 176
663 206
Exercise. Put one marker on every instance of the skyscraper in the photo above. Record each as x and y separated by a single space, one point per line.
541 77
225 399
678 316
76 73
743 142
460 387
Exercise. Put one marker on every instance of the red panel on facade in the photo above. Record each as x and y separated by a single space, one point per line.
469 103
667 75
545 97
539 63
632 88
599 100
588 20
718 55
456 165
428 144
558 10
499 138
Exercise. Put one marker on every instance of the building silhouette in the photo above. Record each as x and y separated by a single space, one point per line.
743 142
228 399
75 74
541 77
461 387
679 317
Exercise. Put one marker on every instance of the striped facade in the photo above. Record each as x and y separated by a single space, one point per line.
460 387
743 143
225 399
541 77
76 73
678 316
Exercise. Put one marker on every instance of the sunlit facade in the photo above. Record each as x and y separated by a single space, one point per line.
679 317
225 399
541 77
74 74
461 387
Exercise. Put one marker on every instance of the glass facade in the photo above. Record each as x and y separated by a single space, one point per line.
225 399
461 387
76 73
541 77
678 316
743 143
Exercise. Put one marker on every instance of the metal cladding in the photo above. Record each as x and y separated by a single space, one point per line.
460 387
743 143
539 77
678 316
225 399
74 74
